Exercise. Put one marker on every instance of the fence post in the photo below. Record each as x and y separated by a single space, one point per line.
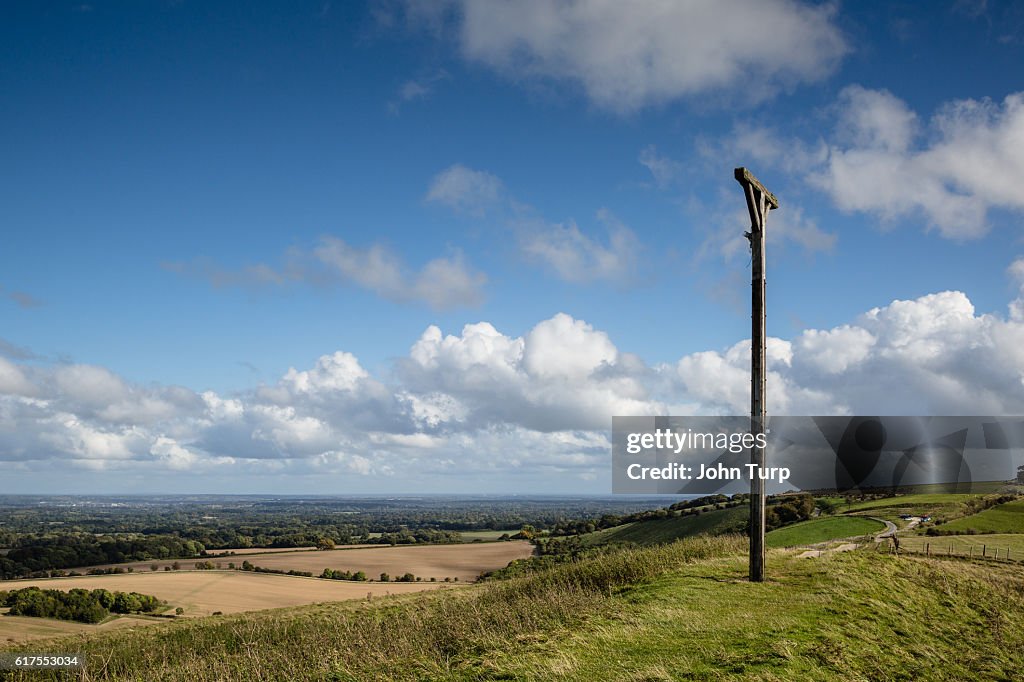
927 549
984 551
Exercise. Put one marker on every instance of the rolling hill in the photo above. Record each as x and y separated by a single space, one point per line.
677 611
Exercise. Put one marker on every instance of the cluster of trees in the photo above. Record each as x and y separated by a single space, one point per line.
360 576
113 570
248 566
788 509
80 605
338 574
35 555
405 578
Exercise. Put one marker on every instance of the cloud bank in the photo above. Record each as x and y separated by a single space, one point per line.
485 403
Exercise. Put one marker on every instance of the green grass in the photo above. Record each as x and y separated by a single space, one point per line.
658 531
679 611
1003 518
967 545
850 617
936 505
822 530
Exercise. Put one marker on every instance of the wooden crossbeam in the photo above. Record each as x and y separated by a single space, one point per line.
745 177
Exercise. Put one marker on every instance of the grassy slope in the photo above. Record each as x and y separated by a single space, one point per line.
821 530
682 611
937 505
657 531
910 503
853 616
968 545
1004 518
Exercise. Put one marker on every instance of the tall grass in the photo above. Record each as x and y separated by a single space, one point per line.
427 636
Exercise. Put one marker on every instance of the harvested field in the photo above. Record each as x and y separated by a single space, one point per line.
200 593
23 628
462 561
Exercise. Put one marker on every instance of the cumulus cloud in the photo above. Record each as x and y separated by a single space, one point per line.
883 159
628 55
483 402
444 282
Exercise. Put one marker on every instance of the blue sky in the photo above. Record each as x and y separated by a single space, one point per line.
230 230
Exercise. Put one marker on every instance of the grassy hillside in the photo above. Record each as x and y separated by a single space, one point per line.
937 505
657 531
679 611
995 545
1003 518
822 530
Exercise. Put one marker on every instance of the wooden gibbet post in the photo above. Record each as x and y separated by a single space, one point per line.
759 202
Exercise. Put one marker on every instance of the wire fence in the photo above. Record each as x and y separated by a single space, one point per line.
955 547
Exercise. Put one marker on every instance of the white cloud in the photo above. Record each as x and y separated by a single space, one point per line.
577 257
834 351
486 403
627 55
882 159
564 347
563 248
337 372
13 380
465 189
442 283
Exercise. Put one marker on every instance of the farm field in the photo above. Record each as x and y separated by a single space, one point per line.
679 611
200 593
462 561
967 545
1003 518
822 530
14 629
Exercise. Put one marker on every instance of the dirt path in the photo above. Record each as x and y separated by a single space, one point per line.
828 547
815 553
890 529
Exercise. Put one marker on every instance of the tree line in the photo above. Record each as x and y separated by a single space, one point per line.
39 555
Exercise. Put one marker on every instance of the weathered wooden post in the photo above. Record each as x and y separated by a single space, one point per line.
759 202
